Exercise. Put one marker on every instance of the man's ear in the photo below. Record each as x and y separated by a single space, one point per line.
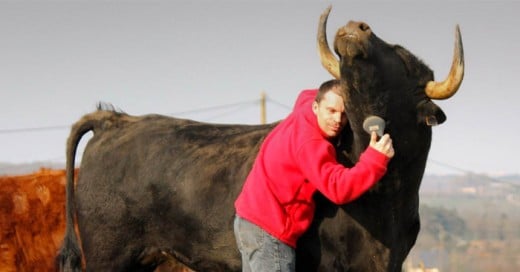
430 114
315 107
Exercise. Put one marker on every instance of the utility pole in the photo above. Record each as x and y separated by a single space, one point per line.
262 108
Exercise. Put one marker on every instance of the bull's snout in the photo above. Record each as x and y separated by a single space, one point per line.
353 30
352 40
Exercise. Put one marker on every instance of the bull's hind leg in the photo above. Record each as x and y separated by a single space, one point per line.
108 248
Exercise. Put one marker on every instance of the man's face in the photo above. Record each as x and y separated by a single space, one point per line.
330 112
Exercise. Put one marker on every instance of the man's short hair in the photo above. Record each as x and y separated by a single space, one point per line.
325 87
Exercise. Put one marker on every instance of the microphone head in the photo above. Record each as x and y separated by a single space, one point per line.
374 123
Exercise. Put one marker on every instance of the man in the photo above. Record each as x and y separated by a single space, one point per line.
297 158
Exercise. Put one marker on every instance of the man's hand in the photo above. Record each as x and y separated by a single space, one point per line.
384 145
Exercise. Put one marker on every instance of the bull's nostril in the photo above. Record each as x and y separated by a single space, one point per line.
364 27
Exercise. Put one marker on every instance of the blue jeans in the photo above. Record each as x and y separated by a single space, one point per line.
260 251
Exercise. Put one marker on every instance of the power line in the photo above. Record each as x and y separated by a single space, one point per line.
278 103
200 110
32 129
37 129
249 102
224 113
449 166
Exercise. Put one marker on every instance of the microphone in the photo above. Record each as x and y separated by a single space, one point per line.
374 123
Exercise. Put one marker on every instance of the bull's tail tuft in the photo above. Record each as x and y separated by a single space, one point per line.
69 257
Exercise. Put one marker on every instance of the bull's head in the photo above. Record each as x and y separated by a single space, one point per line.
388 81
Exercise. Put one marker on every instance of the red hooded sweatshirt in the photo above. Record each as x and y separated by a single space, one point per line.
294 161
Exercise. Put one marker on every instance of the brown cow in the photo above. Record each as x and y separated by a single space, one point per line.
32 222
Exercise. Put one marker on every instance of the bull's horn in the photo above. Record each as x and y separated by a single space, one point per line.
328 60
448 87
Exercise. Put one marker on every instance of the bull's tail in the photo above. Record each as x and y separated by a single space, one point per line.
69 258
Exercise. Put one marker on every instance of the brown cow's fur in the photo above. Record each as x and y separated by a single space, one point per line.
32 222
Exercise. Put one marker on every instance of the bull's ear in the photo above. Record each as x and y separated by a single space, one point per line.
430 114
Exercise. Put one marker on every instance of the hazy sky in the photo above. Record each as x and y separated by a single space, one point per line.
59 58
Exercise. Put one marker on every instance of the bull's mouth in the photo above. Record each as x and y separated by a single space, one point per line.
351 48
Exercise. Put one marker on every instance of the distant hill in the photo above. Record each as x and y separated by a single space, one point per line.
469 222
469 178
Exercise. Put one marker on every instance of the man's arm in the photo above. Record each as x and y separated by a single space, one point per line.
338 183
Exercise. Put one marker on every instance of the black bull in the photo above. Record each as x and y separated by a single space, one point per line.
152 187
